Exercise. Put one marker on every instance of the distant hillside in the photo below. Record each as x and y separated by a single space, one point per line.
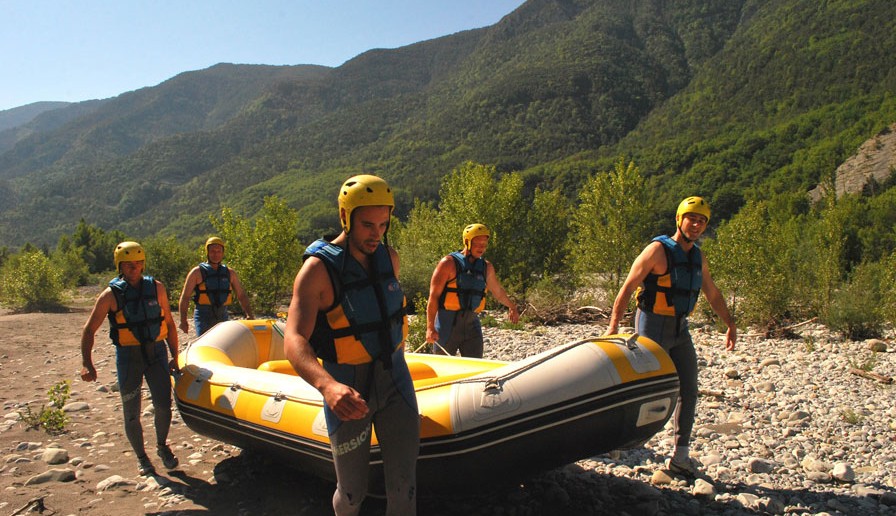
21 115
729 99
44 121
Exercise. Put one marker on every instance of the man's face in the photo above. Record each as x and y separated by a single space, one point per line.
215 253
693 225
132 271
478 245
369 224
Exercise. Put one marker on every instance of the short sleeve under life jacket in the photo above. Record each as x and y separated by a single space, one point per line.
214 289
138 319
368 318
675 292
466 290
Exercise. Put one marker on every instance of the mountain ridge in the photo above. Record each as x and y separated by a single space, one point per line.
696 92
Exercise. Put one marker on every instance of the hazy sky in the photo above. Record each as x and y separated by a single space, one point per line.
73 50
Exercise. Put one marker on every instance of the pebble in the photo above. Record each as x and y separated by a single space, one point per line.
792 432
782 428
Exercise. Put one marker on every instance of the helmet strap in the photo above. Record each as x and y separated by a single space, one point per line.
684 236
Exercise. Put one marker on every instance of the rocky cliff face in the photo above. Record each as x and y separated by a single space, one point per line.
876 158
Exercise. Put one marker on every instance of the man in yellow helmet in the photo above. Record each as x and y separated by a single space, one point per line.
211 285
348 310
671 273
140 324
457 296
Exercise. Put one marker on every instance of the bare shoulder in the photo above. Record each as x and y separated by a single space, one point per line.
313 270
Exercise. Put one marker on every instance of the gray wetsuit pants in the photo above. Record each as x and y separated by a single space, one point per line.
396 422
672 334
134 363
459 331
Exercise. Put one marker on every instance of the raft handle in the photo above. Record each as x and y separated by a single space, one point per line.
493 384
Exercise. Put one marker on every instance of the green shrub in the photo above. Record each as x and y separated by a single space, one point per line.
266 254
549 299
855 309
69 260
51 418
609 227
29 281
416 341
168 261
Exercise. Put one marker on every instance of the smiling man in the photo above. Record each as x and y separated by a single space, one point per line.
669 275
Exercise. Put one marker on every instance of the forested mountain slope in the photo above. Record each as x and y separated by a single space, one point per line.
722 98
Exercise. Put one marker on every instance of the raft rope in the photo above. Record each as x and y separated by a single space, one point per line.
497 382
493 383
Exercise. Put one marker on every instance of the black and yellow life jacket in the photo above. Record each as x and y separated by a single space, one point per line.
138 317
368 318
675 292
214 289
466 290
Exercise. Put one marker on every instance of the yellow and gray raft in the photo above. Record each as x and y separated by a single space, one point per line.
481 421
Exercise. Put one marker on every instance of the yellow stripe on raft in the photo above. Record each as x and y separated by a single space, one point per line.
624 367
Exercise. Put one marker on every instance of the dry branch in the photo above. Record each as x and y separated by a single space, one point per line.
871 375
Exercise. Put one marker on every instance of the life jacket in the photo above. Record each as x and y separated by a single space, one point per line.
368 318
214 289
466 290
138 317
675 292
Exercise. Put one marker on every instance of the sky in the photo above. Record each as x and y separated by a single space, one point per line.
74 50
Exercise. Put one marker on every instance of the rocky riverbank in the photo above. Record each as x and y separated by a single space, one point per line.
783 427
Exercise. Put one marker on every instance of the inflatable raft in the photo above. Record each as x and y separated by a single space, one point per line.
482 421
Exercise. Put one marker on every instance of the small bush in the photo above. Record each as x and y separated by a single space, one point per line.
30 282
855 309
851 416
51 418
416 341
865 365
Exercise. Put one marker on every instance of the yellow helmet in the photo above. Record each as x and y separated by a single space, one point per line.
472 231
128 252
363 190
212 241
692 205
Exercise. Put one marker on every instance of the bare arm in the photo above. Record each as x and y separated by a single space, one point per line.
311 292
190 283
105 302
172 339
717 302
241 295
440 277
494 286
651 259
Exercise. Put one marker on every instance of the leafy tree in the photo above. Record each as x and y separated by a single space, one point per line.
828 263
547 225
30 282
168 261
95 245
266 254
609 228
475 193
748 263
856 310
419 243
70 261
